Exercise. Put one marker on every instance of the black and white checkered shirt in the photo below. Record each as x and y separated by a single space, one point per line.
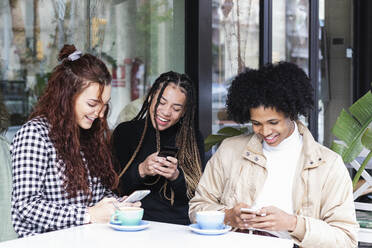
39 200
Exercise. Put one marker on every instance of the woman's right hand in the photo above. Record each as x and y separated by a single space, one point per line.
102 211
147 167
235 218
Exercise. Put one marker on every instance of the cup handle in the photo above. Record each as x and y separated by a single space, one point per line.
114 219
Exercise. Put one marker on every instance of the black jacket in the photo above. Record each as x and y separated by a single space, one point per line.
157 208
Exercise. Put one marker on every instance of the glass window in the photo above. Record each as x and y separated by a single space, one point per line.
291 43
291 32
323 90
235 46
137 40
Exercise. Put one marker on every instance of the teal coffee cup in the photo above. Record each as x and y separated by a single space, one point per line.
210 219
127 216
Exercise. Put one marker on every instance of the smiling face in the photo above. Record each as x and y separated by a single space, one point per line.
89 106
271 125
171 107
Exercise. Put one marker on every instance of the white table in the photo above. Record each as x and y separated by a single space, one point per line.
160 235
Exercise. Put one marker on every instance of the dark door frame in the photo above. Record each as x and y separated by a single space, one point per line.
314 64
198 57
362 52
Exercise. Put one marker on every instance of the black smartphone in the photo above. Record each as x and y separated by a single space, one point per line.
166 151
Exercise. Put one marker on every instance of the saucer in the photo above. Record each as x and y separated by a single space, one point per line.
195 228
142 225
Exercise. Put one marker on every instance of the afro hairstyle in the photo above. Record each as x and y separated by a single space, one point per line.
283 86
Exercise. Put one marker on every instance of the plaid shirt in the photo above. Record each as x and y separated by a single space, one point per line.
39 200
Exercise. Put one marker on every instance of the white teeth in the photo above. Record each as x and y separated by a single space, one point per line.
270 138
161 119
90 118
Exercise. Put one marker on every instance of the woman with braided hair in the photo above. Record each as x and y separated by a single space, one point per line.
166 118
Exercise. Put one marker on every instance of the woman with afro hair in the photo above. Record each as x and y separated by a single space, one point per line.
295 187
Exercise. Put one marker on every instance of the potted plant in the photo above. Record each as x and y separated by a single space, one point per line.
223 133
353 132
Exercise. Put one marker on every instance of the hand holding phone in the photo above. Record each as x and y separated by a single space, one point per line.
251 211
136 196
166 151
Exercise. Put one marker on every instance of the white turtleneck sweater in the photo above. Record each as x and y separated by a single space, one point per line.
281 166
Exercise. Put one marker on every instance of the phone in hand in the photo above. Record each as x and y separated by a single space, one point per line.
166 151
136 196
251 211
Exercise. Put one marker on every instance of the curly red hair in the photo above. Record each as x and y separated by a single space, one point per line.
67 81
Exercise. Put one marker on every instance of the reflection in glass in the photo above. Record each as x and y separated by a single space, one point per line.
235 46
291 32
323 90
137 39
291 43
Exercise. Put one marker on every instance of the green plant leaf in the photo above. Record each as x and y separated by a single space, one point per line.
362 109
212 140
338 147
361 169
350 127
348 130
346 127
223 133
367 139
231 131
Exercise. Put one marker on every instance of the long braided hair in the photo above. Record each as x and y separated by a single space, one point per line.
188 155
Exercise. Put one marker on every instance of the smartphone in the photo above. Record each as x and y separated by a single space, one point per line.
251 211
166 151
136 196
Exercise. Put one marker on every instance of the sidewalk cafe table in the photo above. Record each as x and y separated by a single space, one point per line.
158 234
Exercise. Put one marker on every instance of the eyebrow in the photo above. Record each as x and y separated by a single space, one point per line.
98 101
265 121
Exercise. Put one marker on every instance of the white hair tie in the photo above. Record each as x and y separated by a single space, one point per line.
74 56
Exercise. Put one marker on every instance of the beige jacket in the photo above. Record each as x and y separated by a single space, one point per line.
322 190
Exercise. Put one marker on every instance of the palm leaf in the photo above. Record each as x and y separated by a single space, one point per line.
362 109
223 133
212 140
338 147
232 131
349 128
367 142
367 139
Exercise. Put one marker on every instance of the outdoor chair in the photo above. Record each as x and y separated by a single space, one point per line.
6 228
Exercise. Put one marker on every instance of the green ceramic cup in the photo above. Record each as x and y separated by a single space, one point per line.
127 216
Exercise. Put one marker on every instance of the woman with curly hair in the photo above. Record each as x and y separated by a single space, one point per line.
166 119
61 158
295 187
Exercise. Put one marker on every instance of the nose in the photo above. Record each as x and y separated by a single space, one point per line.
166 110
99 111
265 130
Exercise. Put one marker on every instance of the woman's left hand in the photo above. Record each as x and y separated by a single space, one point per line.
275 220
168 168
